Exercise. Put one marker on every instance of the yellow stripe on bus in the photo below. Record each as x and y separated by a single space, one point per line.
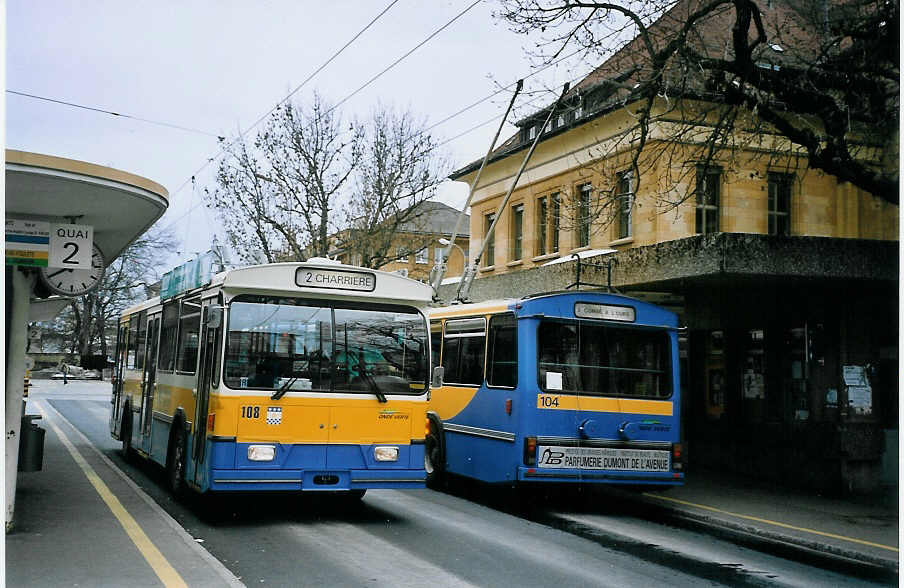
597 404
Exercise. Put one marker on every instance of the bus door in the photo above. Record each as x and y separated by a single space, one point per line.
210 330
149 382
120 360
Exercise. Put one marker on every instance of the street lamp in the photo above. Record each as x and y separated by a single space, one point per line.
439 268
446 242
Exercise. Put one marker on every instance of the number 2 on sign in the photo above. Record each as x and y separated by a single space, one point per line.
251 412
547 401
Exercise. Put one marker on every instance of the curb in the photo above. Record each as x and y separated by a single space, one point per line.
789 547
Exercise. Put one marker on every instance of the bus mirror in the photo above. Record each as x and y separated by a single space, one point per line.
437 377
214 317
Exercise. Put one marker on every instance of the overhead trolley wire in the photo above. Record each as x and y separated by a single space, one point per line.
222 150
113 113
363 86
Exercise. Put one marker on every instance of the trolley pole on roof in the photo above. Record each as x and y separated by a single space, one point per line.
437 280
464 287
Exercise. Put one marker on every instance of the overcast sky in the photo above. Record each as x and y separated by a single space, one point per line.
218 66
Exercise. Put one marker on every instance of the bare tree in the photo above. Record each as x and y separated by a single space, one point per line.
399 170
279 195
805 82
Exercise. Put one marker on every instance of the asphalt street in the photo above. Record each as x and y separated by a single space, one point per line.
468 534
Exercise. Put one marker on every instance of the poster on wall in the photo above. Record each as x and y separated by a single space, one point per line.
753 385
859 392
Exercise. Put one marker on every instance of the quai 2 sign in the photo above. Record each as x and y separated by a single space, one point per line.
70 246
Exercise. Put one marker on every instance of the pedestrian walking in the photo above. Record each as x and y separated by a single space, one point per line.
65 374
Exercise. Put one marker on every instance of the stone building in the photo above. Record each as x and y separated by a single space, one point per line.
415 248
786 279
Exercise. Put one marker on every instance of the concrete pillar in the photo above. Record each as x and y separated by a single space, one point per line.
17 329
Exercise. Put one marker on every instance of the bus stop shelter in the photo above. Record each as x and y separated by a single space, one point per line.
43 190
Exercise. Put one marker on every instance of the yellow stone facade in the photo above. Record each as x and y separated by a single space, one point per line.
562 163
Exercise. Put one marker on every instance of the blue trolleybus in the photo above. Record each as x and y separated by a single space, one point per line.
573 387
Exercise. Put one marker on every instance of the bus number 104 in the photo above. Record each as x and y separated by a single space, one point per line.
251 412
547 401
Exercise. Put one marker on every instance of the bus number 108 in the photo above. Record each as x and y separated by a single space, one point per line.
251 412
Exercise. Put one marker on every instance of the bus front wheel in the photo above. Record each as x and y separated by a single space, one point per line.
434 457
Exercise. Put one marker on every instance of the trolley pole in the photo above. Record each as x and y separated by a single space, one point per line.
471 270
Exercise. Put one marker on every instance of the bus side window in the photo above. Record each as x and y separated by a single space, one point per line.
436 344
132 353
168 330
502 352
142 338
189 331
463 351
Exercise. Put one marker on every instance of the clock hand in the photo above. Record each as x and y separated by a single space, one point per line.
65 269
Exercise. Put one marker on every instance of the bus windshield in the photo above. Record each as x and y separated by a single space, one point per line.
328 347
603 360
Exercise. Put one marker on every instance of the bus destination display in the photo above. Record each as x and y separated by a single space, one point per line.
340 279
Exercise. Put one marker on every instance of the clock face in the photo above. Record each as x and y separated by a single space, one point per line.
75 282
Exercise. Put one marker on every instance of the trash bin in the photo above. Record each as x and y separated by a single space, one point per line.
31 445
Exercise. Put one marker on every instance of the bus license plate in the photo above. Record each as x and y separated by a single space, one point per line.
603 458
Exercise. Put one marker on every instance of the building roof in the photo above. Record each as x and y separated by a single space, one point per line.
434 218
613 82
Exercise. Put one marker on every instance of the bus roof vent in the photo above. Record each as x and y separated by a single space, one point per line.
323 261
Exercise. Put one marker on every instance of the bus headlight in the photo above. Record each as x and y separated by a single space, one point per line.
386 453
261 452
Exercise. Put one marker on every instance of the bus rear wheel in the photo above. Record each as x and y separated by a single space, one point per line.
175 469
125 432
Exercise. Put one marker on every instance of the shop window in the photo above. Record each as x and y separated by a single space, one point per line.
189 330
625 201
708 188
753 377
714 375
517 230
796 372
490 254
780 204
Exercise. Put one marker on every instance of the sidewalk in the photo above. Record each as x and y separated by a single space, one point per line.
860 534
81 522
861 529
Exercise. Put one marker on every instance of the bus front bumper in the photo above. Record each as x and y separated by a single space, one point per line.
315 480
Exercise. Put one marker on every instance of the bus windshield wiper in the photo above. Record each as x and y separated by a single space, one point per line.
374 388
283 389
